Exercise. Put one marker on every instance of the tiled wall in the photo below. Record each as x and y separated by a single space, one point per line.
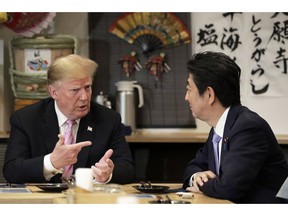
164 104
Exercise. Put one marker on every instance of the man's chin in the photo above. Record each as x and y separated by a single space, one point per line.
82 113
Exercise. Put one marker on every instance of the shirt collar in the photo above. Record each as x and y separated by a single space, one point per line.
219 129
61 117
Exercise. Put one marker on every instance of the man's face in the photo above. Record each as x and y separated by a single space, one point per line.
72 96
196 102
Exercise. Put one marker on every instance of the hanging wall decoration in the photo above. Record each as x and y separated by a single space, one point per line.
157 66
130 63
28 24
151 31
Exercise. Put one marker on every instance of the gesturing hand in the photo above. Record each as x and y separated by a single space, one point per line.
104 168
64 155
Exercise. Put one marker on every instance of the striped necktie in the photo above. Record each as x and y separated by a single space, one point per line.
69 139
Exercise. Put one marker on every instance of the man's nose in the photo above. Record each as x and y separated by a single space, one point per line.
84 95
186 96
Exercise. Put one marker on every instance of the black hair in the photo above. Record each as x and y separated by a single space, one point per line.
218 71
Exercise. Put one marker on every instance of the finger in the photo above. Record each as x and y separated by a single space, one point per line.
99 172
110 163
82 144
107 155
99 175
101 165
204 178
96 171
199 180
195 184
211 174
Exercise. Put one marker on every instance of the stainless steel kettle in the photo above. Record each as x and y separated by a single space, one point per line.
125 102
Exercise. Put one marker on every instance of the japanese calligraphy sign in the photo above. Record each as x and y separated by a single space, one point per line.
257 41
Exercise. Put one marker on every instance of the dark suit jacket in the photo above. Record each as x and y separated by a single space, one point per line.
253 167
34 131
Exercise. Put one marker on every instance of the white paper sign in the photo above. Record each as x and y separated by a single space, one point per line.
257 41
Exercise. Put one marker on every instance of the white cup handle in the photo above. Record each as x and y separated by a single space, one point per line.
141 96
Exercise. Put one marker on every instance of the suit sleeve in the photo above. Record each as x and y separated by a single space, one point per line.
124 170
19 165
198 164
248 151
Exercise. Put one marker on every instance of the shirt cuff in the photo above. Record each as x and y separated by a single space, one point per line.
49 169
192 179
108 180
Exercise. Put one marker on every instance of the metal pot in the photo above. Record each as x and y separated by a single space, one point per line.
125 102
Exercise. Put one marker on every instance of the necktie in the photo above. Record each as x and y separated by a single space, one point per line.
69 139
216 138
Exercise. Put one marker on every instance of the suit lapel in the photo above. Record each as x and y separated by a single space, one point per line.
231 118
51 130
50 126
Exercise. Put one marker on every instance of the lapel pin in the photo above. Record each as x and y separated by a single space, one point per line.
89 128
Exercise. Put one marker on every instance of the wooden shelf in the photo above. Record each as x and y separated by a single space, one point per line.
177 136
170 136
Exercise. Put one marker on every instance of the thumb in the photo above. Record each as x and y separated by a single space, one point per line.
61 140
107 155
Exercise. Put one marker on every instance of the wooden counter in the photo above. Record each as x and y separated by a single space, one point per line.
173 135
166 136
37 196
282 139
141 199
4 135
177 136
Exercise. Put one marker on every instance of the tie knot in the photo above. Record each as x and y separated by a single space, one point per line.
216 138
70 123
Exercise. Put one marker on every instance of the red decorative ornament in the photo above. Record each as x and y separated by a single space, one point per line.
130 63
28 24
157 65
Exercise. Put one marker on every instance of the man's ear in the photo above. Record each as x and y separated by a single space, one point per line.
211 94
52 91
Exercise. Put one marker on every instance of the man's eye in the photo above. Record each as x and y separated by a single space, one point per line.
75 90
88 87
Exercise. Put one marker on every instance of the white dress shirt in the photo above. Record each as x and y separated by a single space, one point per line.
49 169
